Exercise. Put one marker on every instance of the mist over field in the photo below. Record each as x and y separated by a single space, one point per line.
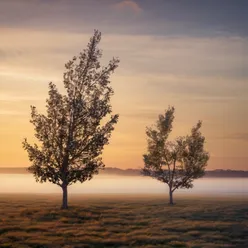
25 183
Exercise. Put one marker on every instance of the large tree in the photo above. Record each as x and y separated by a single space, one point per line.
176 163
77 126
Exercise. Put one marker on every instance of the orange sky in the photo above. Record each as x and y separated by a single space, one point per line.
203 76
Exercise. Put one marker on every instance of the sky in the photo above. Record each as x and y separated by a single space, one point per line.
192 55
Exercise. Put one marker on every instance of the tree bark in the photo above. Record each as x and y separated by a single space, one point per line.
171 196
65 198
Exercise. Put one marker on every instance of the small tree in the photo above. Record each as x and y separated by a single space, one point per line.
175 163
73 133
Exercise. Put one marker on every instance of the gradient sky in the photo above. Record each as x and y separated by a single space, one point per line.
189 54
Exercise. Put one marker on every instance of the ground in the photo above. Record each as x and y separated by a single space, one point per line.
123 221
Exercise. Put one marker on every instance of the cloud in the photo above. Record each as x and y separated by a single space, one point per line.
228 162
158 17
10 113
2 54
18 98
237 136
128 5
197 68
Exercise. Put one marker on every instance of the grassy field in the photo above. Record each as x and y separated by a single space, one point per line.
122 221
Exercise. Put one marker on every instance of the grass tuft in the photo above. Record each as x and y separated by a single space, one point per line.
106 221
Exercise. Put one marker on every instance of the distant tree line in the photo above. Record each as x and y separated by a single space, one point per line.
218 173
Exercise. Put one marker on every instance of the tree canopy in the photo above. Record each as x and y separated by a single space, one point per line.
176 163
77 125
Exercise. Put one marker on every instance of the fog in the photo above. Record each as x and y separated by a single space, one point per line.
25 183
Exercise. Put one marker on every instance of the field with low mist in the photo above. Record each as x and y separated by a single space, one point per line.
122 221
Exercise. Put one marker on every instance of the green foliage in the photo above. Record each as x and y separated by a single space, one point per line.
72 134
176 163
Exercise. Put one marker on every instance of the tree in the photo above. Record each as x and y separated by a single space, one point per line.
176 163
78 124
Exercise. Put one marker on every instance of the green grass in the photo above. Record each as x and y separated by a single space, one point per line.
122 221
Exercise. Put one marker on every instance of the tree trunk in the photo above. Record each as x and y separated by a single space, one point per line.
171 196
65 198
